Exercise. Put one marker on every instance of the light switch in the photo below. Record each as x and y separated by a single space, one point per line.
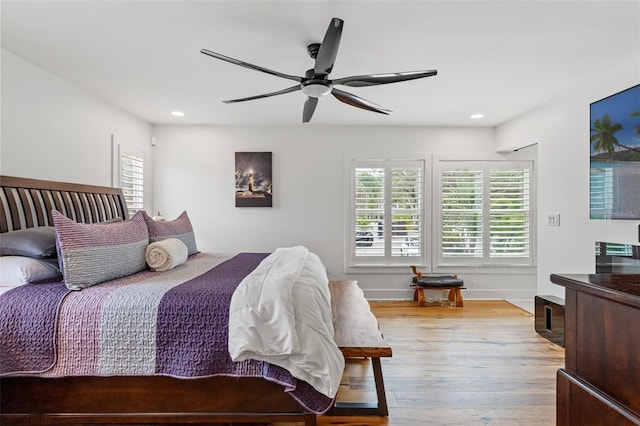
553 219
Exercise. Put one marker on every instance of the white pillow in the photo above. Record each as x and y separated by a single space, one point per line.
18 270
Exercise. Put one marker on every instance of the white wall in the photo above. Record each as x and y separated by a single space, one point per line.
54 130
561 129
194 171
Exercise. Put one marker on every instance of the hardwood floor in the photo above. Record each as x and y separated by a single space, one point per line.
483 364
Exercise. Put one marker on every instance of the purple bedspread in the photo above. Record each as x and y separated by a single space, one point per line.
28 325
186 315
173 323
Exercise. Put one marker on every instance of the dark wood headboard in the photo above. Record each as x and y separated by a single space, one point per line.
27 203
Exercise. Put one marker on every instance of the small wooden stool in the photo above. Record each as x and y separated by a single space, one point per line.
445 282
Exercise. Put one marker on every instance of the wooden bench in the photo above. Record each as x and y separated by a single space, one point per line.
358 336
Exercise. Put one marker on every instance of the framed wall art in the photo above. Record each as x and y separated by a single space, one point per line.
254 186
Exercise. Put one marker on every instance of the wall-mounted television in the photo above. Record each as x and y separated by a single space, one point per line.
615 156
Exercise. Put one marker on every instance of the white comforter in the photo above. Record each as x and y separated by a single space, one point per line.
281 313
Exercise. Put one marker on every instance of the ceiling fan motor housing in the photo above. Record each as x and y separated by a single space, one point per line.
313 49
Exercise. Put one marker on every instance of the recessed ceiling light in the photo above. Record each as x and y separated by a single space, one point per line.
177 113
476 116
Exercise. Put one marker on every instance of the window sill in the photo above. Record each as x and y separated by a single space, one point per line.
486 269
448 269
380 269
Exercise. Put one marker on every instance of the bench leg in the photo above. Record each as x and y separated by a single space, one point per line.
452 296
365 408
382 397
455 297
459 303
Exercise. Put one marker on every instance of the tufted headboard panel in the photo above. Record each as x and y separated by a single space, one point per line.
27 203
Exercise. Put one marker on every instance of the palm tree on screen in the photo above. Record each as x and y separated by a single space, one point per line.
635 114
603 134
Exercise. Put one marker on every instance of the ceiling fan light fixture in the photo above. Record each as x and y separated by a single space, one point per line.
316 89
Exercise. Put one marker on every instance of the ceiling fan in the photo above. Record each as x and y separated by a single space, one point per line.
316 82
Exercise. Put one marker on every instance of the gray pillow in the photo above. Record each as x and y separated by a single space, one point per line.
37 242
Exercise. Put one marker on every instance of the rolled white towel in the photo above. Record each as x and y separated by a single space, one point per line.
166 254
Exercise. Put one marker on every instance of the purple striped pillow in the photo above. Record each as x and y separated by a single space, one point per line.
179 228
94 253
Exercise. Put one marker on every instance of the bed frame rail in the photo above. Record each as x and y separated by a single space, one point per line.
145 400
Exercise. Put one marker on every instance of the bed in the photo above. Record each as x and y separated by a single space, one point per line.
98 387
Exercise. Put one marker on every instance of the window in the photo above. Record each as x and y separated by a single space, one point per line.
485 213
132 181
386 226
129 174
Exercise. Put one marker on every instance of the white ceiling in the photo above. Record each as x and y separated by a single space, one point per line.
500 58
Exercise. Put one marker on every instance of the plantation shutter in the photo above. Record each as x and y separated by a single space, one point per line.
485 213
388 212
132 181
509 213
462 205
406 211
369 211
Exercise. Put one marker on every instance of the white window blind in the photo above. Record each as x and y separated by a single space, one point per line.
406 211
132 181
462 208
387 220
369 211
509 213
485 213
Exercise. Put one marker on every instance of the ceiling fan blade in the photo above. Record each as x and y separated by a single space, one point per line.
376 79
356 101
309 108
329 47
250 66
266 95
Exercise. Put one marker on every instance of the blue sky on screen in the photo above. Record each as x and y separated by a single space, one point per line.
619 107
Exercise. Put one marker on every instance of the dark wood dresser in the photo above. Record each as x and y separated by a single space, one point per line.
600 384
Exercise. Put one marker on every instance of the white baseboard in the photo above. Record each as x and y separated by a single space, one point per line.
527 305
